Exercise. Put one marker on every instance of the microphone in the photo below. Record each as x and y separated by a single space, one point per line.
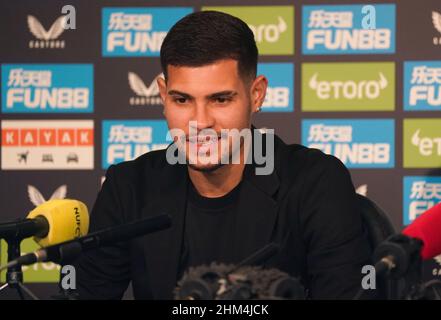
237 282
216 282
50 223
65 251
420 240
427 228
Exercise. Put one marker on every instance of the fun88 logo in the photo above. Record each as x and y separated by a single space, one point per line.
47 88
422 85
358 143
137 32
348 29
280 92
129 139
419 195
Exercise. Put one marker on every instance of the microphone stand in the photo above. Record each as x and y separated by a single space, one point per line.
14 274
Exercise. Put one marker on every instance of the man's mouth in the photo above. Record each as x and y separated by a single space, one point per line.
203 140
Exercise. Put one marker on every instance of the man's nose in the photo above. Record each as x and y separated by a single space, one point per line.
203 117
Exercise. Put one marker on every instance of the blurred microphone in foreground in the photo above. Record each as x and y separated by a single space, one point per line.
244 281
50 223
401 256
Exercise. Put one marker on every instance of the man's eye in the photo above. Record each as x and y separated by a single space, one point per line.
180 100
222 100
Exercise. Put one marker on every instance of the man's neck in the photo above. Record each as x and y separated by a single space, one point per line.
219 182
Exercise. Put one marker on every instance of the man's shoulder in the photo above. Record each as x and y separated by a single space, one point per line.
152 161
299 158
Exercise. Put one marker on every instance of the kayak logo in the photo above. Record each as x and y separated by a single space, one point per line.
47 144
348 86
272 26
422 143
46 39
47 88
127 140
37 198
436 20
348 89
422 85
280 92
145 95
348 29
137 31
420 194
352 141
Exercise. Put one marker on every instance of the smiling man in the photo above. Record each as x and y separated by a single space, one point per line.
223 210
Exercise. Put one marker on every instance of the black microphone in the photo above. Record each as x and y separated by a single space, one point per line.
65 251
247 280
25 228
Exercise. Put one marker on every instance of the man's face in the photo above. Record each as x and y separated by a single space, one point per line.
212 98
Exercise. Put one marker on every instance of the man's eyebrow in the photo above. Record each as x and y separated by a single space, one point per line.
222 94
215 95
178 93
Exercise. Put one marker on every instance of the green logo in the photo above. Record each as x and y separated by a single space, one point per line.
39 272
422 143
349 86
273 26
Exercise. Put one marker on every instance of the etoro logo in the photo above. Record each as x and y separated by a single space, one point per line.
280 92
128 139
270 32
272 26
422 143
358 143
422 85
348 86
342 29
427 146
137 31
49 38
348 89
47 88
420 193
145 95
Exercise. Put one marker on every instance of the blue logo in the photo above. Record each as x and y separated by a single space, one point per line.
419 195
348 29
47 88
128 139
422 85
137 32
358 143
280 93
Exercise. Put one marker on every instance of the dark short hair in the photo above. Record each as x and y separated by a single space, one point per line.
204 37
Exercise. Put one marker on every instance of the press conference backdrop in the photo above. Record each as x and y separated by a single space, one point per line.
358 80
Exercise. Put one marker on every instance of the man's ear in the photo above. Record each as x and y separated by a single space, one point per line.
258 92
162 86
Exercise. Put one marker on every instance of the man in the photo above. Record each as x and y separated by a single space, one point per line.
222 210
